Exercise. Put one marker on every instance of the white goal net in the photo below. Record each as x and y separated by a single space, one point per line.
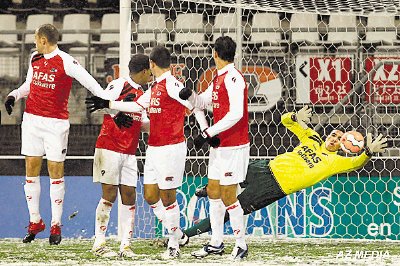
339 57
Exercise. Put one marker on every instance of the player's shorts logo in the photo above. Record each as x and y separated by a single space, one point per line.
64 151
228 174
103 172
58 201
169 178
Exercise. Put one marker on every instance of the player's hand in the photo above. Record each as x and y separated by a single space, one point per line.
303 116
123 120
9 104
185 93
130 97
96 103
376 146
203 138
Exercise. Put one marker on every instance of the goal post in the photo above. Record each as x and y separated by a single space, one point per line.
341 58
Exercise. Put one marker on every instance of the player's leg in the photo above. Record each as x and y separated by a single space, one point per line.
234 164
33 149
217 209
106 170
128 197
170 169
55 140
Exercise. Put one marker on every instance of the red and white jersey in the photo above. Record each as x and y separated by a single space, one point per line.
49 81
228 96
111 137
166 110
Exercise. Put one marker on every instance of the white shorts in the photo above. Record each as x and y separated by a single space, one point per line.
229 166
165 165
44 136
114 168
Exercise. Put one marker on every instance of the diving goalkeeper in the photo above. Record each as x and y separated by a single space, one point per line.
309 163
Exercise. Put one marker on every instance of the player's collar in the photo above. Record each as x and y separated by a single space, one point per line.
52 54
225 69
163 76
132 83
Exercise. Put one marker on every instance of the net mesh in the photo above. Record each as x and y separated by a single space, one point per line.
344 65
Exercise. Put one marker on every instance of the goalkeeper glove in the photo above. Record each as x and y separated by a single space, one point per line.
96 103
123 120
303 116
203 138
185 93
9 104
376 146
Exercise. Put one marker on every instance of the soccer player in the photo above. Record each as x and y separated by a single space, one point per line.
229 152
115 165
45 124
166 152
309 163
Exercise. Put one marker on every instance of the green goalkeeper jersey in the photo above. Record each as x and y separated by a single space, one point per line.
310 162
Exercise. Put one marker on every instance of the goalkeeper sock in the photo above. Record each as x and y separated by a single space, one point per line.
57 192
217 212
172 216
102 217
127 220
237 222
32 193
159 210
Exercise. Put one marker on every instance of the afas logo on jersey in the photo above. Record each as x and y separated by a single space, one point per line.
43 76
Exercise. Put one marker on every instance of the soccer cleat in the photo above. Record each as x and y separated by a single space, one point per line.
201 192
182 242
208 250
238 253
126 252
103 251
171 253
33 230
55 235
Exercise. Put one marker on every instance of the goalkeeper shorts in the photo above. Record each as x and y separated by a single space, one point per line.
114 168
261 188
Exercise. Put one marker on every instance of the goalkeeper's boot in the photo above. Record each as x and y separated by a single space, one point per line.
55 235
171 253
239 253
103 251
33 230
126 252
208 250
201 192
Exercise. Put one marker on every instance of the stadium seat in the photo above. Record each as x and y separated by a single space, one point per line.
8 22
306 34
103 7
9 53
268 41
190 33
223 23
76 22
109 22
149 28
381 36
33 22
68 6
28 7
4 5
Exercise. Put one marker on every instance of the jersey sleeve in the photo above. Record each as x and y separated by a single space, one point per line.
173 87
24 89
301 133
76 71
201 119
142 103
145 122
202 100
235 86
347 164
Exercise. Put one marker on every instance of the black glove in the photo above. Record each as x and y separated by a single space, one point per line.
130 97
185 93
9 104
96 103
203 138
123 120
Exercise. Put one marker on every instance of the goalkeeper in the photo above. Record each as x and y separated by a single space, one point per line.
309 163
